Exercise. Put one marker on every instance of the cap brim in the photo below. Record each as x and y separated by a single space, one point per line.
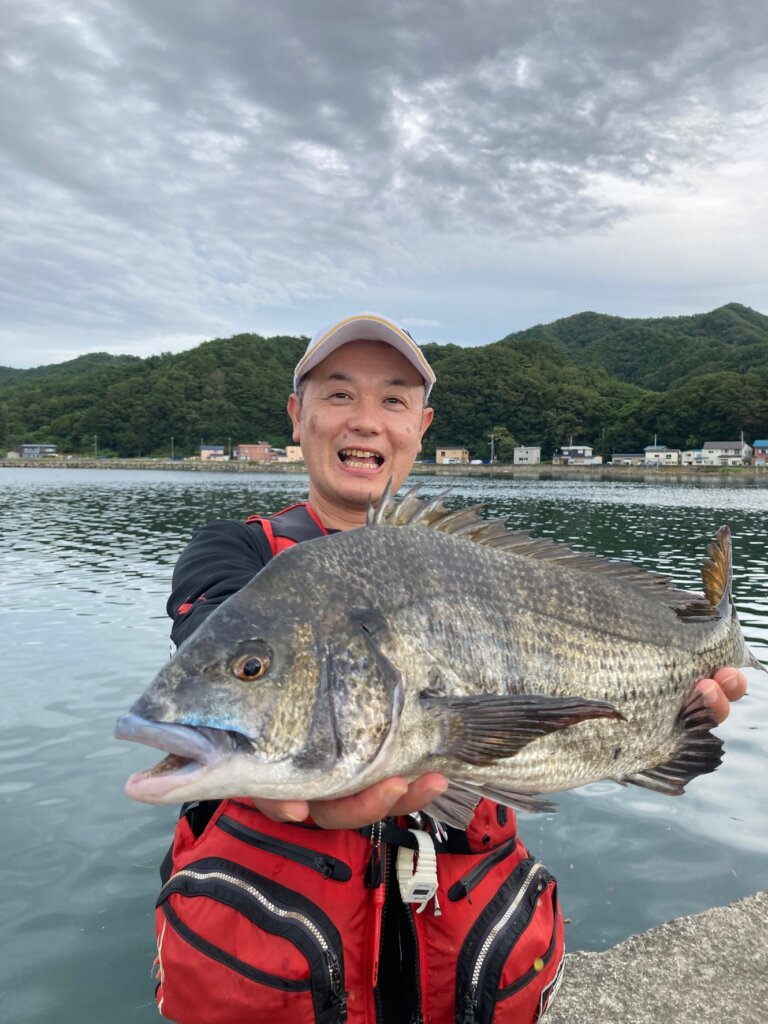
363 327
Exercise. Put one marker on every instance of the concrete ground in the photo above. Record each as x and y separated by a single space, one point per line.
710 968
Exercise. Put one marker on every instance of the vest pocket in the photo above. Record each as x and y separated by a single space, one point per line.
230 940
328 867
509 964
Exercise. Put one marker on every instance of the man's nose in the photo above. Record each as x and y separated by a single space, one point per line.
365 417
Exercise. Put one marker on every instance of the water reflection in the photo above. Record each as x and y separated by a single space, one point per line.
86 562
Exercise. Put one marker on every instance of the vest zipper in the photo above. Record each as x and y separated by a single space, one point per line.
471 1000
475 875
333 967
328 867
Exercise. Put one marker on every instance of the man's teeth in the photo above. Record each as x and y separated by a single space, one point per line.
355 457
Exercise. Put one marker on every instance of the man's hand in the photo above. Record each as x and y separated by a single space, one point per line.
388 797
395 796
726 685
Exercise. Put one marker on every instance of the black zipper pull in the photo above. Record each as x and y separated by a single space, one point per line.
373 869
338 995
373 877
470 1005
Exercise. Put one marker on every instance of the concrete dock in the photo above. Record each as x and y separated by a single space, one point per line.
710 968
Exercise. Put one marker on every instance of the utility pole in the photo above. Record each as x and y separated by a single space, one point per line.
95 446
492 436
229 439
171 449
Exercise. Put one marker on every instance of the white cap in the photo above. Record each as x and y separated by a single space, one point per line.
363 327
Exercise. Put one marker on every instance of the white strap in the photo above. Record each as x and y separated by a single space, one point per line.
417 870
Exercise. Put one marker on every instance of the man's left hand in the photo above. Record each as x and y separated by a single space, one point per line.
727 684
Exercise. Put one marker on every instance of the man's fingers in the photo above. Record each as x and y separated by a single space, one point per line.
361 808
732 682
714 698
388 797
420 793
282 810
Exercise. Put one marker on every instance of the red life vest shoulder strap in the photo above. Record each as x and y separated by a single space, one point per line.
289 526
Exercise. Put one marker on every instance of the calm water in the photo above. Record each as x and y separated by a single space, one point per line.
86 558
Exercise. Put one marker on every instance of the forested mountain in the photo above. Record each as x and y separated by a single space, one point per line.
603 380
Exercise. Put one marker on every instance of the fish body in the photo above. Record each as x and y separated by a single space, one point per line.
515 667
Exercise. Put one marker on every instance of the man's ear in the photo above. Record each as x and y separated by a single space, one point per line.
426 419
294 411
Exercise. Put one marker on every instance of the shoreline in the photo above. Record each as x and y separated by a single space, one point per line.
712 474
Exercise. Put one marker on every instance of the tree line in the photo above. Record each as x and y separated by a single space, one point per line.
609 382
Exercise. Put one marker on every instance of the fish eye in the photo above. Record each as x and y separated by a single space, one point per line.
250 666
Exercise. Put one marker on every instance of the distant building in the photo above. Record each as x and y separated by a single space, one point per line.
37 451
213 453
293 453
693 457
446 456
576 455
760 456
727 453
628 459
527 456
660 455
262 451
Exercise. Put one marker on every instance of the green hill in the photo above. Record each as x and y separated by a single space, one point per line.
603 380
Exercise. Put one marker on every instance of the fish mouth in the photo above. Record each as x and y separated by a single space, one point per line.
361 458
192 751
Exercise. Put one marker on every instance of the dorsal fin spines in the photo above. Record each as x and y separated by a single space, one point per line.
467 523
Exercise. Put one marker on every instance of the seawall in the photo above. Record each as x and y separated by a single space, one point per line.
710 968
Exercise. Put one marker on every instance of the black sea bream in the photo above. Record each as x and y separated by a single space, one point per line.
435 640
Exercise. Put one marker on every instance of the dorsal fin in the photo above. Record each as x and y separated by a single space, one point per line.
717 571
467 523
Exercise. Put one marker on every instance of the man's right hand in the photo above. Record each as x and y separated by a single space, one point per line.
389 797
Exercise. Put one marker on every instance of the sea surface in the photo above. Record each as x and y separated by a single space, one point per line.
85 562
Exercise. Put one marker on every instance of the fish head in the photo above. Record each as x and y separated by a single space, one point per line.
267 705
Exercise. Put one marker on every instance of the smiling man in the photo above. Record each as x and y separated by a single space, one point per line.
314 923
359 412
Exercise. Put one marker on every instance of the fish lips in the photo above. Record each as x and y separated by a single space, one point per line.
192 752
198 743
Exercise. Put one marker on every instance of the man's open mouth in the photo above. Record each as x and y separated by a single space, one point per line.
361 458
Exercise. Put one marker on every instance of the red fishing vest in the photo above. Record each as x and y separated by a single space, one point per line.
264 920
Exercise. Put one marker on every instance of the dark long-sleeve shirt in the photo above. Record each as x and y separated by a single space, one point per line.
219 560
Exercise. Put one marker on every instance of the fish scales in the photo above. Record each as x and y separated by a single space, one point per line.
516 667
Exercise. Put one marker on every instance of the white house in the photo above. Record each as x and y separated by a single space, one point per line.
693 457
576 455
727 453
660 455
627 459
527 456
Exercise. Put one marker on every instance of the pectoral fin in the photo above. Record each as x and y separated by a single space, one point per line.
483 729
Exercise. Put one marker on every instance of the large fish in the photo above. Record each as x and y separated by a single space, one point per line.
517 667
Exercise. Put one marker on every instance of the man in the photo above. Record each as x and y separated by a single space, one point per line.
359 410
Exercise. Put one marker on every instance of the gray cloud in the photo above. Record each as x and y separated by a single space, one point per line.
171 169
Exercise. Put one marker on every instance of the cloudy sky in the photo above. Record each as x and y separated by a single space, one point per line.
174 170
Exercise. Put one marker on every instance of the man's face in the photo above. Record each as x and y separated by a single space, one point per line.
360 422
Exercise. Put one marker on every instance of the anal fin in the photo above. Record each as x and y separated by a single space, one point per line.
698 753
